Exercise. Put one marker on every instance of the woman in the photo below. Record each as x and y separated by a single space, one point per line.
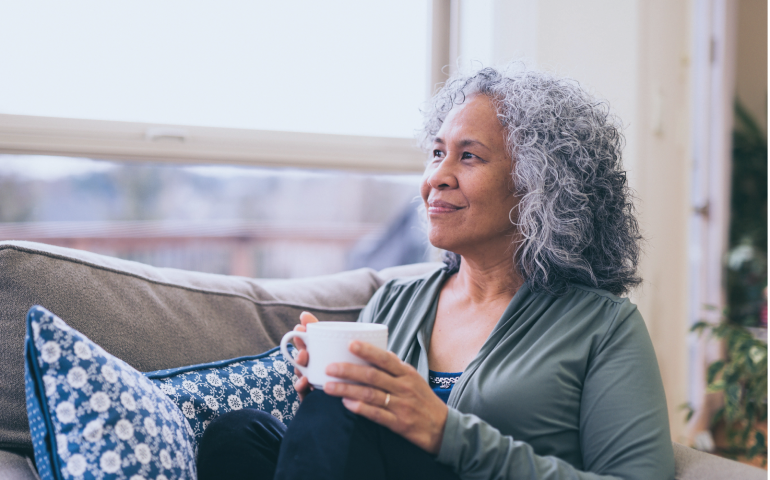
545 371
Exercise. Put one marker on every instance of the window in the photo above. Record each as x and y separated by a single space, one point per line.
204 82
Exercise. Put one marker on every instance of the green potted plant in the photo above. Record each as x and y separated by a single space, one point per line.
742 378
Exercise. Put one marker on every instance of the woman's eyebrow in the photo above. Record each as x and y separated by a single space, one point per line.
463 143
467 142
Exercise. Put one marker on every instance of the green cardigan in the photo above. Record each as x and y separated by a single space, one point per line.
565 387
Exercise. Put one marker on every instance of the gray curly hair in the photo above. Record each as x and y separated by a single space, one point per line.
576 215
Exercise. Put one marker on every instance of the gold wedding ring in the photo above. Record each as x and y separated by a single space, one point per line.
387 400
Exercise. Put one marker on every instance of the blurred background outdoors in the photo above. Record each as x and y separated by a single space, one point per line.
276 139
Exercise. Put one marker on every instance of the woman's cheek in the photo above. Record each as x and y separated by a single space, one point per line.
425 188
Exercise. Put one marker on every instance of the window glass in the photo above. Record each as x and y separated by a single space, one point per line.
332 66
257 222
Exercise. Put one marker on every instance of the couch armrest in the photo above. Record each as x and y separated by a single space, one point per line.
692 464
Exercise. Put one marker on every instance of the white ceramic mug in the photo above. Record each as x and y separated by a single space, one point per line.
329 342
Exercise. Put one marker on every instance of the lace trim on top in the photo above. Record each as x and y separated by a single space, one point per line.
443 382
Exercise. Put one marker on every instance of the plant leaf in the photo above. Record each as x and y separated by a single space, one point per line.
757 354
713 369
759 445
717 386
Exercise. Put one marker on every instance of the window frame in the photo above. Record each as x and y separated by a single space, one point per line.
129 141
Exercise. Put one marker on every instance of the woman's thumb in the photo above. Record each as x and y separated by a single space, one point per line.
307 317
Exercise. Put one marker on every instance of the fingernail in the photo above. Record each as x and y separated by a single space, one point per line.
348 403
332 369
330 386
355 346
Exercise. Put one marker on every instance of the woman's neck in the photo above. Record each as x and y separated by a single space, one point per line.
489 281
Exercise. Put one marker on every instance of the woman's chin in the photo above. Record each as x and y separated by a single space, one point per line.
442 242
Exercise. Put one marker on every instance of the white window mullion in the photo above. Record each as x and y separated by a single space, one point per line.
184 144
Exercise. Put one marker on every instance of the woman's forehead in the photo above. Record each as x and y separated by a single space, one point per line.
473 120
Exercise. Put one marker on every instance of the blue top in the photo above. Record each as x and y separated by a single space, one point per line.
442 382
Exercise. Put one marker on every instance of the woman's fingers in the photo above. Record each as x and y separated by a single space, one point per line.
390 393
304 318
302 387
376 414
302 358
301 384
298 341
307 317
363 374
372 396
382 359
383 375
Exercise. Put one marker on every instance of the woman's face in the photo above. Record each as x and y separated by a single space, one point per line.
467 186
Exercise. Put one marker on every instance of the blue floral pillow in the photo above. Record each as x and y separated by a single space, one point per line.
203 392
92 416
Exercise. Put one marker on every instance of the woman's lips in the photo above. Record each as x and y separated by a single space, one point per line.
438 206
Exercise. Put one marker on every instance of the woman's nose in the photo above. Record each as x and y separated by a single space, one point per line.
443 176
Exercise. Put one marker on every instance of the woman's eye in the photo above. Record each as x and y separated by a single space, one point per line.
468 155
438 154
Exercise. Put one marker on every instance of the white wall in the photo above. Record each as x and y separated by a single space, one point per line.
662 179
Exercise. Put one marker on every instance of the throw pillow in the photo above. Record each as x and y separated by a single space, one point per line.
93 416
203 392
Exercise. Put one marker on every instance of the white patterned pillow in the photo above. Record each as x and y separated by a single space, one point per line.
203 392
92 416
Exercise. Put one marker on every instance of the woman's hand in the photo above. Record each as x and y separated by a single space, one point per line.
393 394
302 386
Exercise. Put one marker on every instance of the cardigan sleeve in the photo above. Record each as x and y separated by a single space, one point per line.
624 430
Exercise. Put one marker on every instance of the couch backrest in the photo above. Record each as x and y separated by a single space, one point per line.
154 318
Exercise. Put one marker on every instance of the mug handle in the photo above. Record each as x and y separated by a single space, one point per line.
285 351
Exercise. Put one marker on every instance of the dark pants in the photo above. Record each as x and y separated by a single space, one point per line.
325 441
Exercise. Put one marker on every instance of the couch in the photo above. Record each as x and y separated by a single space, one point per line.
157 318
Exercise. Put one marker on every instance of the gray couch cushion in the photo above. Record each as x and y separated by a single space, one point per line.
153 318
14 466
694 465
